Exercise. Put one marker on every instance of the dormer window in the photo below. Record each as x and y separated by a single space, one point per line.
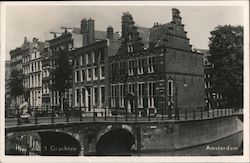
130 48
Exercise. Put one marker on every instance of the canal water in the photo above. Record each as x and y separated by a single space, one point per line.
28 143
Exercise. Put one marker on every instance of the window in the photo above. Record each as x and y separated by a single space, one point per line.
121 95
151 94
38 66
113 95
130 67
95 101
77 94
95 73
83 97
88 58
131 88
77 76
102 55
89 74
122 67
83 74
32 67
102 73
140 94
151 62
102 96
140 66
93 57
130 48
76 62
170 87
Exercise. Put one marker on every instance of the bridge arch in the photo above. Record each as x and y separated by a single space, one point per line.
115 141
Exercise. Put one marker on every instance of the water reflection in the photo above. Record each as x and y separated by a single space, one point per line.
28 143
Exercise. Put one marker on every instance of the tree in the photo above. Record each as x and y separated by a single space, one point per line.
15 83
226 49
62 73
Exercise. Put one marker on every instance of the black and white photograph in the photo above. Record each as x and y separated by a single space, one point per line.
152 81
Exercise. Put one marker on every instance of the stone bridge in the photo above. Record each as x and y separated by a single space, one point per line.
155 137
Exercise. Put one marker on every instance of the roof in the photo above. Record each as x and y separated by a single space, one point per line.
113 46
99 34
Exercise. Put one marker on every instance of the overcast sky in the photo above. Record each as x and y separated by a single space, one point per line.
38 21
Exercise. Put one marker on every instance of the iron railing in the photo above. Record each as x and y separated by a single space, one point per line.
105 114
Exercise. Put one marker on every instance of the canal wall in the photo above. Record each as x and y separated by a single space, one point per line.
187 134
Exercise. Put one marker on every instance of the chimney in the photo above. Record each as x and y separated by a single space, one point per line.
176 16
91 31
84 31
110 32
127 23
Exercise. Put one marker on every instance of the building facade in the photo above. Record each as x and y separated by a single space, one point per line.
155 67
90 68
32 71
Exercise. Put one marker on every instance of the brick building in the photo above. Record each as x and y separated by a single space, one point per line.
64 42
154 67
90 68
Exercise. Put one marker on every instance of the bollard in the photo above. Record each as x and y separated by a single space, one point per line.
208 113
193 113
185 113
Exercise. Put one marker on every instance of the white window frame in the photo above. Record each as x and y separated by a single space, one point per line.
89 77
95 95
93 57
171 93
121 96
95 72
151 96
140 98
150 65
140 67
113 95
102 76
130 68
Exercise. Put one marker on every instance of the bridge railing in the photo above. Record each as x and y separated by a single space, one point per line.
39 115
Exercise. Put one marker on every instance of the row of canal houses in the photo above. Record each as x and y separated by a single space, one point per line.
148 69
